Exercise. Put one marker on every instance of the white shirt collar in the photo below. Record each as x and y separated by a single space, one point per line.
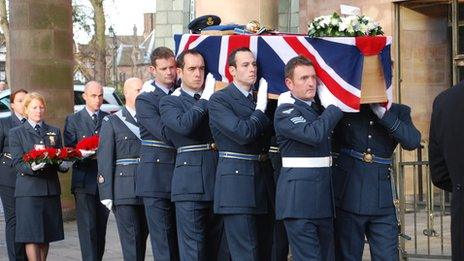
131 111
19 116
307 102
163 87
91 112
33 123
189 91
243 91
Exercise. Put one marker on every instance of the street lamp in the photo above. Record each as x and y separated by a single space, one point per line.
114 53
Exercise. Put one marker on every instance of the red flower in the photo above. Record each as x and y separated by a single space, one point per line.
90 143
69 154
47 155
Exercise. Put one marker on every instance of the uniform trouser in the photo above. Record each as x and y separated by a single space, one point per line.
280 243
351 229
15 250
199 231
161 219
132 230
249 237
92 218
311 239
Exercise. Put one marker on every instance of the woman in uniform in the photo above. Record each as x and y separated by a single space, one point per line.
38 208
8 174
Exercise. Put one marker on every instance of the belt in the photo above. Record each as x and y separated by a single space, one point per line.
128 161
8 155
243 156
199 147
156 143
306 162
274 149
366 157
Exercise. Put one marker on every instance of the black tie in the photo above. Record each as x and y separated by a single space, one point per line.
37 129
95 119
316 107
170 92
197 96
23 120
250 98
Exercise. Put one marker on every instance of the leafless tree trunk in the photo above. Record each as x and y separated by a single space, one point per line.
99 41
4 25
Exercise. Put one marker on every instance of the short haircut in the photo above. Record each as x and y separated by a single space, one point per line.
13 95
33 96
181 58
160 53
299 60
231 61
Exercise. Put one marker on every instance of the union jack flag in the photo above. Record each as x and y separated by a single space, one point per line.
338 61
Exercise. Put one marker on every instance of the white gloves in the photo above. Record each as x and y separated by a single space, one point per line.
36 167
87 153
378 110
176 92
261 100
285 98
209 87
325 96
108 203
64 166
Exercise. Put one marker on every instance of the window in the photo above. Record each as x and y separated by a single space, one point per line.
5 104
78 100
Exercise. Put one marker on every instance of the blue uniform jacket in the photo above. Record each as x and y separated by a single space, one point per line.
43 182
242 186
154 173
7 172
187 124
78 126
302 132
365 188
117 141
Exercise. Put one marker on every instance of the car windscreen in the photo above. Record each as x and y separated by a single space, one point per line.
5 104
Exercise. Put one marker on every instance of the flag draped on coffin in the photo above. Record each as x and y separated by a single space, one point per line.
338 60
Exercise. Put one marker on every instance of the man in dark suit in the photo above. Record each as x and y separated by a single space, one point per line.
446 147
304 190
186 118
118 157
157 156
8 174
362 179
92 215
244 182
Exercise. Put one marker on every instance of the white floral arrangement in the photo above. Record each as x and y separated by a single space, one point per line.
343 26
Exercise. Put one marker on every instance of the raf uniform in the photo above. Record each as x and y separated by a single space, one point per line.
199 229
38 207
118 157
362 180
7 187
244 184
304 190
280 248
154 175
92 216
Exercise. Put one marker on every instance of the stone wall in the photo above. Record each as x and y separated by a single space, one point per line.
172 17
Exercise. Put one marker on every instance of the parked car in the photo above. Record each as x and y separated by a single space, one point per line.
111 102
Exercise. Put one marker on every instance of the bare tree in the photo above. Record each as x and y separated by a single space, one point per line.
99 41
4 25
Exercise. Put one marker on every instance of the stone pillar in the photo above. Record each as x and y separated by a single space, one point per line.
172 17
241 11
289 18
42 59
